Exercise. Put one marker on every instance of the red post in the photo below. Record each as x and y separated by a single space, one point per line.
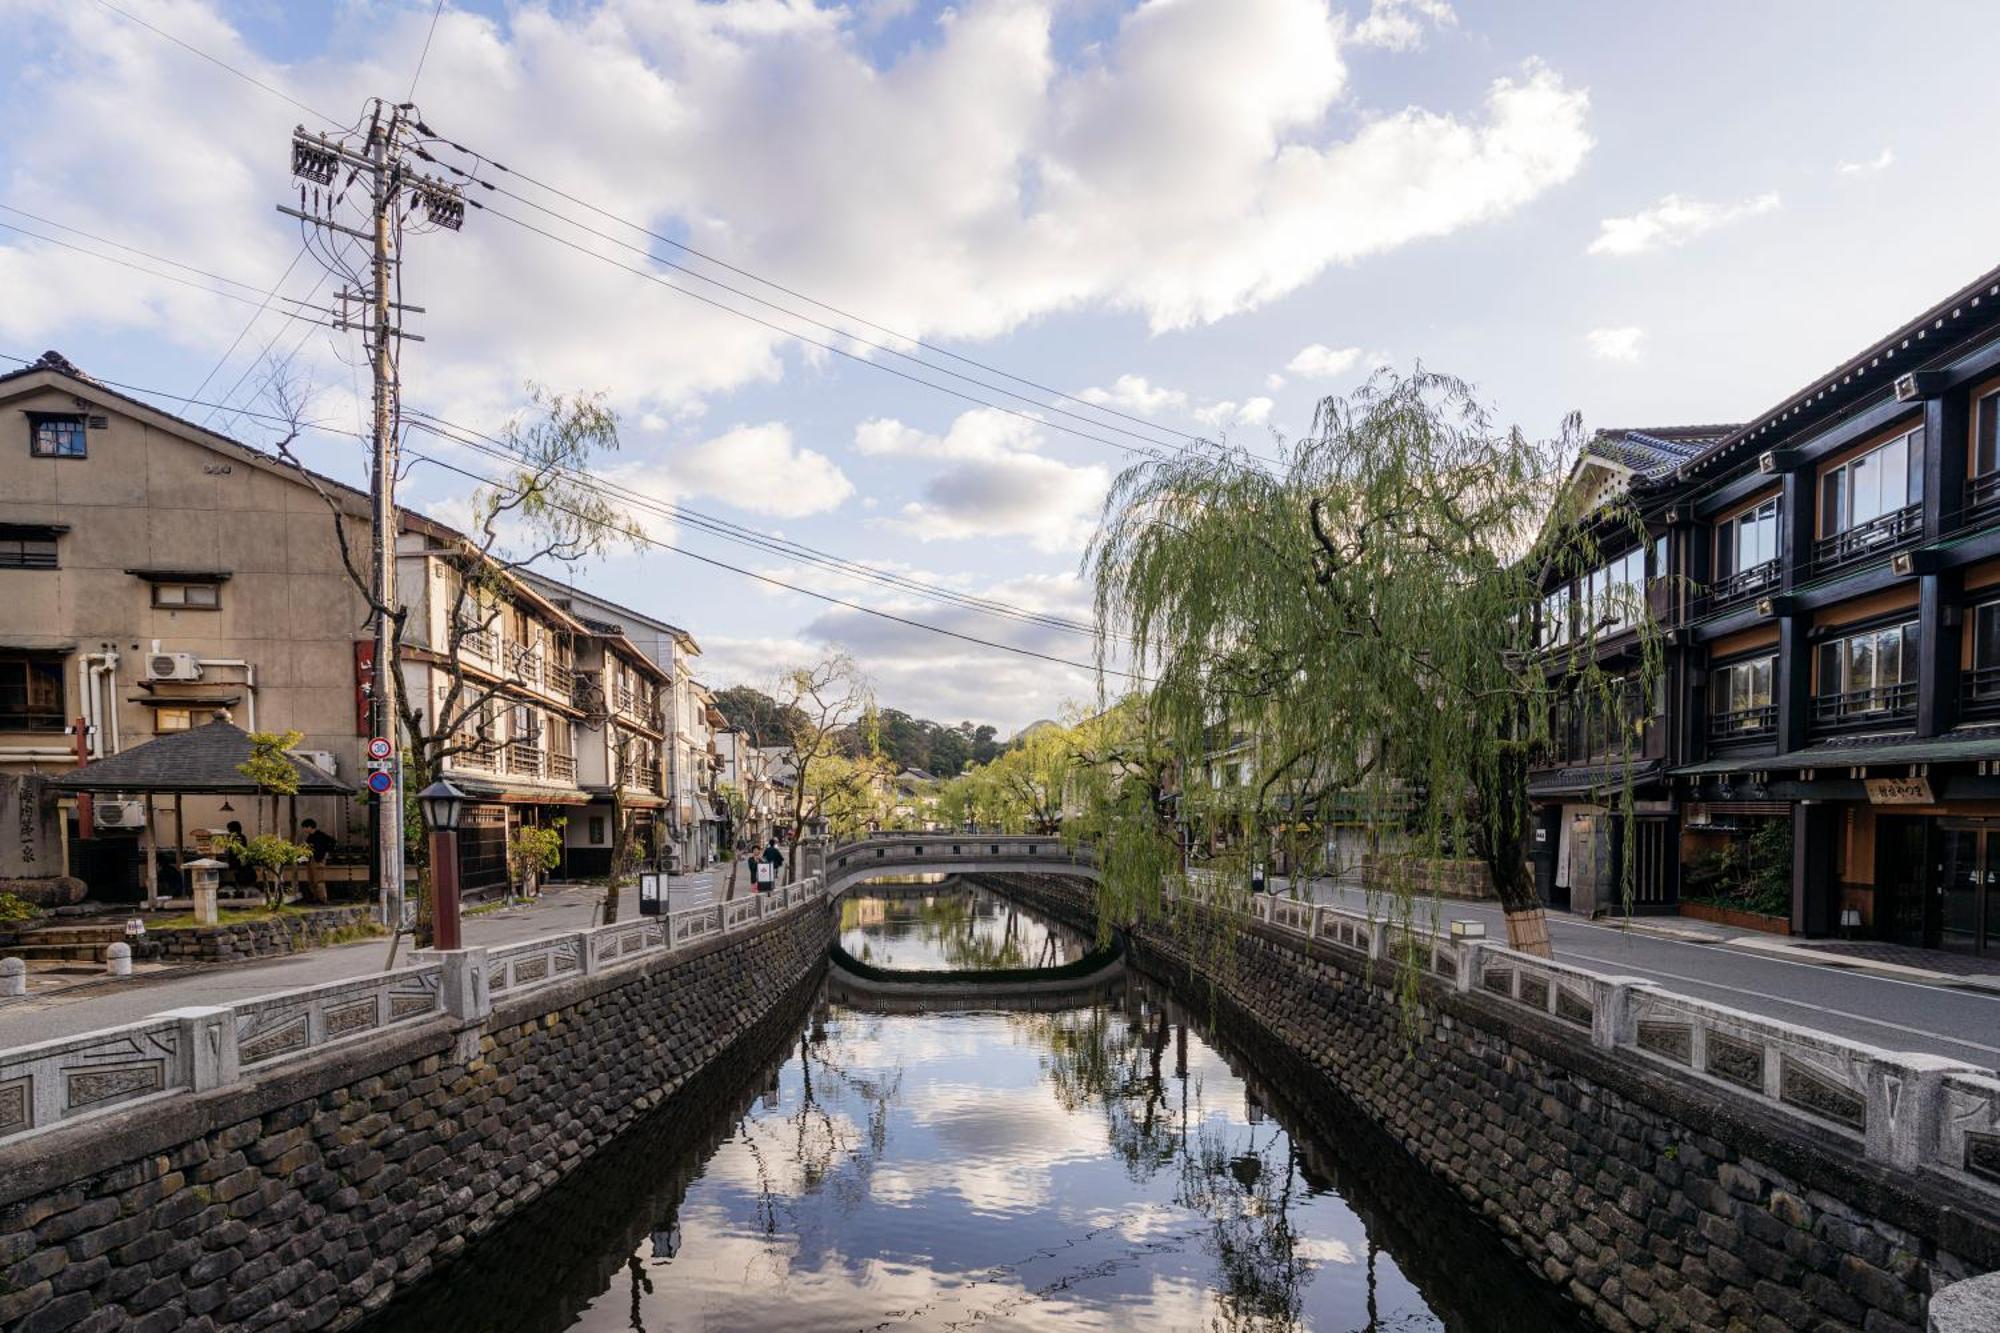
444 891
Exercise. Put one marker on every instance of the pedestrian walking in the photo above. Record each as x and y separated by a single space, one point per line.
768 866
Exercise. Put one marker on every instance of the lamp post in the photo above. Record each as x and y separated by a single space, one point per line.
442 804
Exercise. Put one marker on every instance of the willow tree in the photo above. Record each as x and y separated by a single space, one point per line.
1365 615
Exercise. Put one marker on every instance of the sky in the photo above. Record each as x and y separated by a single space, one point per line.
1204 215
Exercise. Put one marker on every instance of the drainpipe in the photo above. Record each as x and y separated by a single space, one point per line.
249 681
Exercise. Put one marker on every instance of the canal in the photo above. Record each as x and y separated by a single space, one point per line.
1115 1164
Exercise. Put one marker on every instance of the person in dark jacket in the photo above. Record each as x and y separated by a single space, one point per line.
772 861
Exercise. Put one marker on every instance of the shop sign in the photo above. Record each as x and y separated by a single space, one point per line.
1898 791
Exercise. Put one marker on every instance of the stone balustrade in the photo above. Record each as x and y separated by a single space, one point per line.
182 1051
1904 1109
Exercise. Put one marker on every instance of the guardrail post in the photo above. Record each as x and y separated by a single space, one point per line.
585 953
1471 957
1904 1092
1611 1023
207 1044
465 985
1378 938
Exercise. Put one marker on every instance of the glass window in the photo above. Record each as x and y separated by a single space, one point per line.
1881 481
1986 435
56 436
172 719
1748 540
1743 686
187 596
31 693
26 547
1870 666
1986 636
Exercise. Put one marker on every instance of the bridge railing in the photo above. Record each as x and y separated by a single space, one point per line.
1906 1109
55 1083
890 853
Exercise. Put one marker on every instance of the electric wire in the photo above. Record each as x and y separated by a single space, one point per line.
424 54
648 539
219 63
751 537
250 323
165 277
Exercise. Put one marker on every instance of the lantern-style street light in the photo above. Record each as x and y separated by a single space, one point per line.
442 805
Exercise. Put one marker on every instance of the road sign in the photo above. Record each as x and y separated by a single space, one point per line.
379 748
379 782
381 765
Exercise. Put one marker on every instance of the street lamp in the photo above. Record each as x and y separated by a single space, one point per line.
442 805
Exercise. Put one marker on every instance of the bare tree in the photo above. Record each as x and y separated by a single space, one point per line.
543 506
817 704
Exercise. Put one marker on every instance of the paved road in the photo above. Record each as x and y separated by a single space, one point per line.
1882 1011
75 1010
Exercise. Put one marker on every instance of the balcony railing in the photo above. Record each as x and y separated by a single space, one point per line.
1874 537
1982 495
1742 585
1979 694
524 759
485 756
562 679
479 642
562 767
1862 710
1741 726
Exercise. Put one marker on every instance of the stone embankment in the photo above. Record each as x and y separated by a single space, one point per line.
293 932
1656 1196
322 1171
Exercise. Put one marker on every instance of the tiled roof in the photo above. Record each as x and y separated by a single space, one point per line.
1656 452
203 759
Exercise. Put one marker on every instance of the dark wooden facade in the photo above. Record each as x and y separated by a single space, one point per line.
1826 584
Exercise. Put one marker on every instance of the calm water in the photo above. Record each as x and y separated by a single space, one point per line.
1101 1167
952 926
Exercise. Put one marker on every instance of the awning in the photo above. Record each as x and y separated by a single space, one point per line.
1858 754
1589 779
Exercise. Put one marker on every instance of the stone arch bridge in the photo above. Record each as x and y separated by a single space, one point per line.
848 865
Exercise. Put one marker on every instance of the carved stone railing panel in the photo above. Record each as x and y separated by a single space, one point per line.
538 962
293 1023
1968 1113
53 1082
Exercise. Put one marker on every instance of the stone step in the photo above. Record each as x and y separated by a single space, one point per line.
75 953
105 934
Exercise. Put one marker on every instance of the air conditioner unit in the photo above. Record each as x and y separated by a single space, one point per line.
119 814
323 760
172 666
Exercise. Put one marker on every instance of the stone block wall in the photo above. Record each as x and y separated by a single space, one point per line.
308 1197
294 933
1652 1201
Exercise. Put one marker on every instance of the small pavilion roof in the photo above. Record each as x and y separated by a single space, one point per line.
203 760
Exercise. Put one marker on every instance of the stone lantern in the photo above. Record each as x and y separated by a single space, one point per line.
204 877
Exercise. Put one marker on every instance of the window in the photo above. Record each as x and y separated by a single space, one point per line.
1986 436
1740 696
28 546
596 830
187 596
1869 672
1615 594
1986 637
31 692
1881 481
172 719
1747 541
1555 618
56 435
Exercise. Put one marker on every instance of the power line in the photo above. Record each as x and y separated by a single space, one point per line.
835 329
813 342
665 545
250 323
165 277
1193 439
425 53
278 93
785 547
646 538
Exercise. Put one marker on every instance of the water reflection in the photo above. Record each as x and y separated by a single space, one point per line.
1103 1167
950 926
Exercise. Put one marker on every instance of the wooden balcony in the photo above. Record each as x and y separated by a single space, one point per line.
1743 726
524 759
1742 585
1877 536
1883 707
562 767
1979 695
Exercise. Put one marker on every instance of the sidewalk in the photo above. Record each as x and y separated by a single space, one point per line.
107 1002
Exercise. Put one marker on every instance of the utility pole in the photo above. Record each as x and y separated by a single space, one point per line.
394 190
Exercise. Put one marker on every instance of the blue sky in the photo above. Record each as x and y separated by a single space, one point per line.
1208 212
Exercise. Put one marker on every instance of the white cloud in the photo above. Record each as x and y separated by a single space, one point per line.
1398 25
756 468
1131 393
1619 344
1882 161
1320 362
1253 412
1187 168
994 483
1674 221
